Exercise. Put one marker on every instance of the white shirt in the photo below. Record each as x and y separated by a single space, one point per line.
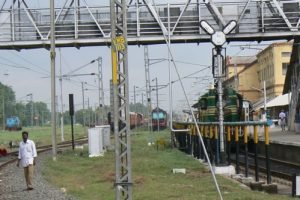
282 115
27 152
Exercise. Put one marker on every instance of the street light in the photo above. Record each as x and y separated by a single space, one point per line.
218 39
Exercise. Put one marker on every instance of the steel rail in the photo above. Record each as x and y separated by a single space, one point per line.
12 155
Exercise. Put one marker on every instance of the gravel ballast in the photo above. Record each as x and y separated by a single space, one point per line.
13 185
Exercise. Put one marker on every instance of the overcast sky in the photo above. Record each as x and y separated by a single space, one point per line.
26 71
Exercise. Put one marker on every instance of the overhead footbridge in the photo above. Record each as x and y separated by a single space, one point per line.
23 25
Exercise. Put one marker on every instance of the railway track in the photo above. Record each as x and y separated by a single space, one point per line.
279 168
13 156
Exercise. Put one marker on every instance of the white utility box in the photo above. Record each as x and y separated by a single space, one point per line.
95 142
105 131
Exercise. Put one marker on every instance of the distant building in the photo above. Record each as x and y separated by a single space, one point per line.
235 64
270 65
241 73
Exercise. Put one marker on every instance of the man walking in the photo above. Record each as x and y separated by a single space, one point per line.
282 119
27 155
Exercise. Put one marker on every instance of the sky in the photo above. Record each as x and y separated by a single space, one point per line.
28 72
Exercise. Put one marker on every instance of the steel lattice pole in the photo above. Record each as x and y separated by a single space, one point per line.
148 89
119 52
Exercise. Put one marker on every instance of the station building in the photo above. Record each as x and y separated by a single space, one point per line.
248 75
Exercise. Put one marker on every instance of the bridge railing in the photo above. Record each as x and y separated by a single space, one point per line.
147 20
237 136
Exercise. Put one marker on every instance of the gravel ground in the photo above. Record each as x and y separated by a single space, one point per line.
13 185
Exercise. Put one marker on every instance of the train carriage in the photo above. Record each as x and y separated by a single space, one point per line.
13 124
159 119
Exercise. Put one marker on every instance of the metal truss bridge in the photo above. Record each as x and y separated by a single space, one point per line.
80 23
121 22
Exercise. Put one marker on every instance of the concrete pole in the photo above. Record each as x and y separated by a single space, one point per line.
83 112
220 97
89 112
31 99
99 93
53 92
157 104
61 101
3 108
148 89
134 99
265 100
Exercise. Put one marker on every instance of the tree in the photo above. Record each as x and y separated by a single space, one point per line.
7 99
41 113
138 107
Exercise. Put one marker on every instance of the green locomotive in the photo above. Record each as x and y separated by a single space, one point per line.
207 106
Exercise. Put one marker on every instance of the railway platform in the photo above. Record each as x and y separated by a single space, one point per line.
284 145
277 136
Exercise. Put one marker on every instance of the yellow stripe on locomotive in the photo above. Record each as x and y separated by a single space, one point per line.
208 109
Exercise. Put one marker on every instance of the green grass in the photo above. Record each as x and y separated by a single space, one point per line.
93 178
40 135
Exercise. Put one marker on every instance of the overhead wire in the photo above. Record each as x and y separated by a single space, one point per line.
29 62
81 67
194 119
16 65
22 67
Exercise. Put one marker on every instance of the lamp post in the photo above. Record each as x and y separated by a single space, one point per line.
218 39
